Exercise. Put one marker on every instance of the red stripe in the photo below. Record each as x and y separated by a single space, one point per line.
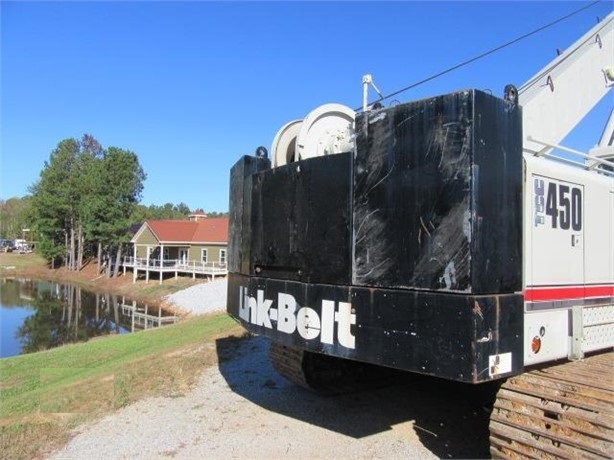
567 292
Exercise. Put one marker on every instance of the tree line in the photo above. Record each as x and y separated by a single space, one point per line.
84 204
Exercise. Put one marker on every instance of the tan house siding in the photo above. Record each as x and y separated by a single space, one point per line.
141 252
194 253
213 252
145 238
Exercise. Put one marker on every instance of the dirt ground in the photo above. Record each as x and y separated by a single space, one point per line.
243 409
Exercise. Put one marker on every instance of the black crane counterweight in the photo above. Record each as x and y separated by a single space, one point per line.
405 253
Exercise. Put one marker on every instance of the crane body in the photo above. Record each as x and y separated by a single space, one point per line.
444 237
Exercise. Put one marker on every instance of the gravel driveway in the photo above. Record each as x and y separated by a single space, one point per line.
243 409
201 298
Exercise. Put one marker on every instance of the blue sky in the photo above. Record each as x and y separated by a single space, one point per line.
190 87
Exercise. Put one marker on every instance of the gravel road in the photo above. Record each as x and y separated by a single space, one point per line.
201 298
243 409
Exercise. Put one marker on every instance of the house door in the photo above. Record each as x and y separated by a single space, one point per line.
183 255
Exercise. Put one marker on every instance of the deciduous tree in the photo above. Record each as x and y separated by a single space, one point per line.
84 199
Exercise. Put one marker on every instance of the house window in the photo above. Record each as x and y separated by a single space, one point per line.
154 252
222 256
203 256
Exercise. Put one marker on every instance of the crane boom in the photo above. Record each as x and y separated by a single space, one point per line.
561 94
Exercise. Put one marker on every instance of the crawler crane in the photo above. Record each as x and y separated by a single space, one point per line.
451 236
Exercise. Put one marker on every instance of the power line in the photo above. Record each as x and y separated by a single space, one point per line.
486 53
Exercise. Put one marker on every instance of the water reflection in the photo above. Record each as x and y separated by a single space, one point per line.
38 315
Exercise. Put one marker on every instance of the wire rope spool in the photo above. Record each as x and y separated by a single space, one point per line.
283 149
327 130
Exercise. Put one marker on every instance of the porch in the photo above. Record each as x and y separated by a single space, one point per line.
176 266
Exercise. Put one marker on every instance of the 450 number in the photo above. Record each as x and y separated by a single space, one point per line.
562 202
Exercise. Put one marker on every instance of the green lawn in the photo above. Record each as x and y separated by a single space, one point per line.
44 395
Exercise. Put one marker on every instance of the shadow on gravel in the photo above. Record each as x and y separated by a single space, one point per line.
449 418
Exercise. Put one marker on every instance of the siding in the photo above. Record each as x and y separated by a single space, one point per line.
213 252
147 237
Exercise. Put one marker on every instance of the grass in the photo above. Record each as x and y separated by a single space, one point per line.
45 395
12 261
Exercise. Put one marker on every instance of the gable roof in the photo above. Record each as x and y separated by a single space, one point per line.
209 230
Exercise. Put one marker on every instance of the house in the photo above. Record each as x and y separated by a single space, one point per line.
194 246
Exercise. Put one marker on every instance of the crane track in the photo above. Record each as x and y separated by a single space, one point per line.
562 411
327 375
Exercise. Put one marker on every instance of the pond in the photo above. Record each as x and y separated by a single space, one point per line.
37 315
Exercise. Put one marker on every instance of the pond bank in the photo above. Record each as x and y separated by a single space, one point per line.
153 293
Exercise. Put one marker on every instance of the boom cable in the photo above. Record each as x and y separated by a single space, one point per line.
486 53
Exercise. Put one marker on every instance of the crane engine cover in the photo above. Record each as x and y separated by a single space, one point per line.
405 252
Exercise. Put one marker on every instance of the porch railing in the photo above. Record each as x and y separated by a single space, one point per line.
176 265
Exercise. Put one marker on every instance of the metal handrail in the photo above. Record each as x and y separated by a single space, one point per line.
588 162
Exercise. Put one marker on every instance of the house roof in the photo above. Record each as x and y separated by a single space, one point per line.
209 230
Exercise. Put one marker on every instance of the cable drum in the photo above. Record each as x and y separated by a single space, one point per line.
327 130
283 150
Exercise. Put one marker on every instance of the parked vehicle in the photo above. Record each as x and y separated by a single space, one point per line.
6 245
21 246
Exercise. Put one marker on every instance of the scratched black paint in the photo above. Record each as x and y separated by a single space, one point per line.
301 220
437 195
419 229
